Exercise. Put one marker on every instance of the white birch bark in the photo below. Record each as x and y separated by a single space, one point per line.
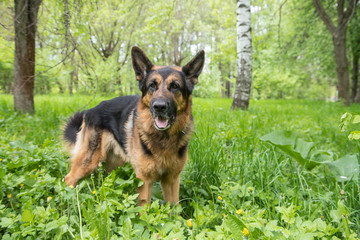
244 55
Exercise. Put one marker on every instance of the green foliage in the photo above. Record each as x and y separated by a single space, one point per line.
6 57
91 52
234 184
209 84
349 120
305 153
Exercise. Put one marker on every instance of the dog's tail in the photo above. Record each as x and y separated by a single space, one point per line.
73 126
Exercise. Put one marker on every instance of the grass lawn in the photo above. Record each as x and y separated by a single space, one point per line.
234 186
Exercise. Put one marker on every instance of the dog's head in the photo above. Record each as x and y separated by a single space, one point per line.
165 90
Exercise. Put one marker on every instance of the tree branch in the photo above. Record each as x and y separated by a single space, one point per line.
349 13
323 15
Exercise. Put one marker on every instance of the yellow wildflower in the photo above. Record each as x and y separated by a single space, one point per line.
9 195
322 217
189 223
239 211
1 159
21 184
49 198
220 198
71 186
246 232
93 192
250 189
35 170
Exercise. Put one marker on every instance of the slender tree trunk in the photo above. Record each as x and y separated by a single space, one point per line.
355 78
244 55
61 89
222 82
229 82
71 80
24 60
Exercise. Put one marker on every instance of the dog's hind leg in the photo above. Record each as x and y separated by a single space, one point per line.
86 155
112 152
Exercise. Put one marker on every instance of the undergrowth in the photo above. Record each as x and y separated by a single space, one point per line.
234 186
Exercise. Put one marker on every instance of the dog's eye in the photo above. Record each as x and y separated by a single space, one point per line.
153 86
174 87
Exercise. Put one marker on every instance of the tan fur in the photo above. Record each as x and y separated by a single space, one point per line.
84 161
156 67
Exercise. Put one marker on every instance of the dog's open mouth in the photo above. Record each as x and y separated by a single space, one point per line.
161 123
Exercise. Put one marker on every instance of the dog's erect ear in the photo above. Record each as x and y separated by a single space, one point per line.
140 62
193 68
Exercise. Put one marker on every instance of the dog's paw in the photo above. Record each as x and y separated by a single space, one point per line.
70 181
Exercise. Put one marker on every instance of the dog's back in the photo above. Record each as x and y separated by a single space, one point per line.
109 115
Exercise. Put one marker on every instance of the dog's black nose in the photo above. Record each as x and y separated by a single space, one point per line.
160 106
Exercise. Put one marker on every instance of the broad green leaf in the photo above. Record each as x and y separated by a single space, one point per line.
344 121
288 214
127 228
296 148
6 222
305 153
304 147
345 168
2 173
51 225
354 135
356 119
27 216
236 227
305 236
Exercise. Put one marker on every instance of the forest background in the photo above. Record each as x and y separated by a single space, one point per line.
83 46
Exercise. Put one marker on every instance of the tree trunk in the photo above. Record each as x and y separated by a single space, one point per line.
342 66
229 82
71 80
222 82
61 89
24 59
338 34
355 76
244 55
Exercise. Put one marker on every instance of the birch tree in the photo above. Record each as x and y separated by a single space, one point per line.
244 55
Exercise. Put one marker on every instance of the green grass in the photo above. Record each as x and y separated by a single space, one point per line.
278 198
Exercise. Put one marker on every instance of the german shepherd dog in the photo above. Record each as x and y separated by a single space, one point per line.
151 131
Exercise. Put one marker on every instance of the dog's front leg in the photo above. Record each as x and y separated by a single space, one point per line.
170 186
145 190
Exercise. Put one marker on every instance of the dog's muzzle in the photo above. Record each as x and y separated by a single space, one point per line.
162 114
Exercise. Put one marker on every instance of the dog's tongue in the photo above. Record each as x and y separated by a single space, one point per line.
161 123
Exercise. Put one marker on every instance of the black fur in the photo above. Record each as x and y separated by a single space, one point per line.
182 150
145 148
110 115
73 127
